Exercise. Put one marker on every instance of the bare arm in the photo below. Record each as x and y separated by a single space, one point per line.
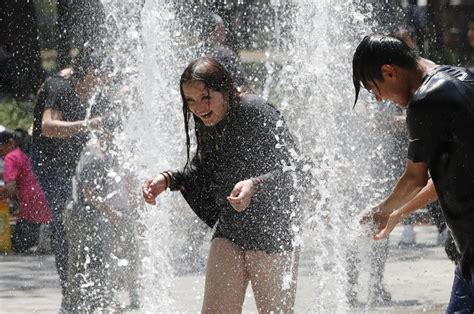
413 179
8 191
154 187
52 125
426 196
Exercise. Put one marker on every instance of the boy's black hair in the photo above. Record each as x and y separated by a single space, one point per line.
375 51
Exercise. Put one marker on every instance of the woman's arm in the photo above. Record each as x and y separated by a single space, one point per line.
154 187
195 186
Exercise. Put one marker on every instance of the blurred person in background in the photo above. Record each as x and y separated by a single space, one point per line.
21 184
390 122
60 131
408 35
212 33
94 221
23 140
468 60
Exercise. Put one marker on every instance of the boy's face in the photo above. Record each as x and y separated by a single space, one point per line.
392 87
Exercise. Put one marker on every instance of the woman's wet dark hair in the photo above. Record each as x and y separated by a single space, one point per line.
375 51
215 77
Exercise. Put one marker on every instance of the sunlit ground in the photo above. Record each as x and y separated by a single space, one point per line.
419 280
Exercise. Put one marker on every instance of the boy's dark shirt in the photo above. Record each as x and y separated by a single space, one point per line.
54 156
251 141
440 120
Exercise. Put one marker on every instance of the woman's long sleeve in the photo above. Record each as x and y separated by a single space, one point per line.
194 182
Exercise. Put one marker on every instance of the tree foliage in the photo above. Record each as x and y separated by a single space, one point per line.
15 115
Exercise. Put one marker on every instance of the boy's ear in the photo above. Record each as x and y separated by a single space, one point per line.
388 70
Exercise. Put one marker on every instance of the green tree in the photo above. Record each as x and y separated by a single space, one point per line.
15 115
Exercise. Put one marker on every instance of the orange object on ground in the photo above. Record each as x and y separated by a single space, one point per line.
5 230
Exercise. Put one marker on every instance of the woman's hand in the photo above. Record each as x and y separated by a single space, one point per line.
152 188
393 220
241 195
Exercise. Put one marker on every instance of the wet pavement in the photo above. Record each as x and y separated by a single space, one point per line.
419 279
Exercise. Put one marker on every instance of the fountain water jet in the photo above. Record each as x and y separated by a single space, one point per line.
313 88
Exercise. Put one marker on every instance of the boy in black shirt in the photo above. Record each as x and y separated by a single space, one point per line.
59 134
440 119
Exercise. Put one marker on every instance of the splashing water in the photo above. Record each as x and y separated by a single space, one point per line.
312 86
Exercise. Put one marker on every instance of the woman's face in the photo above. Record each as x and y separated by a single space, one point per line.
470 34
208 105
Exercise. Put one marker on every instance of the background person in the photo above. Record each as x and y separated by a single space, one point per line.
20 183
212 35
60 131
91 224
468 59
238 182
391 120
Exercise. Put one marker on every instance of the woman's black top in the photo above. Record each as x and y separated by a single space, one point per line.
251 141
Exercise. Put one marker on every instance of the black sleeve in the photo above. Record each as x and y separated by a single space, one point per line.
195 185
55 90
427 123
275 144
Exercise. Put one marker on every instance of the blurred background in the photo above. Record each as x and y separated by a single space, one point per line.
38 37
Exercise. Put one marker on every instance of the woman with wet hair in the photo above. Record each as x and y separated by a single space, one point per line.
242 180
